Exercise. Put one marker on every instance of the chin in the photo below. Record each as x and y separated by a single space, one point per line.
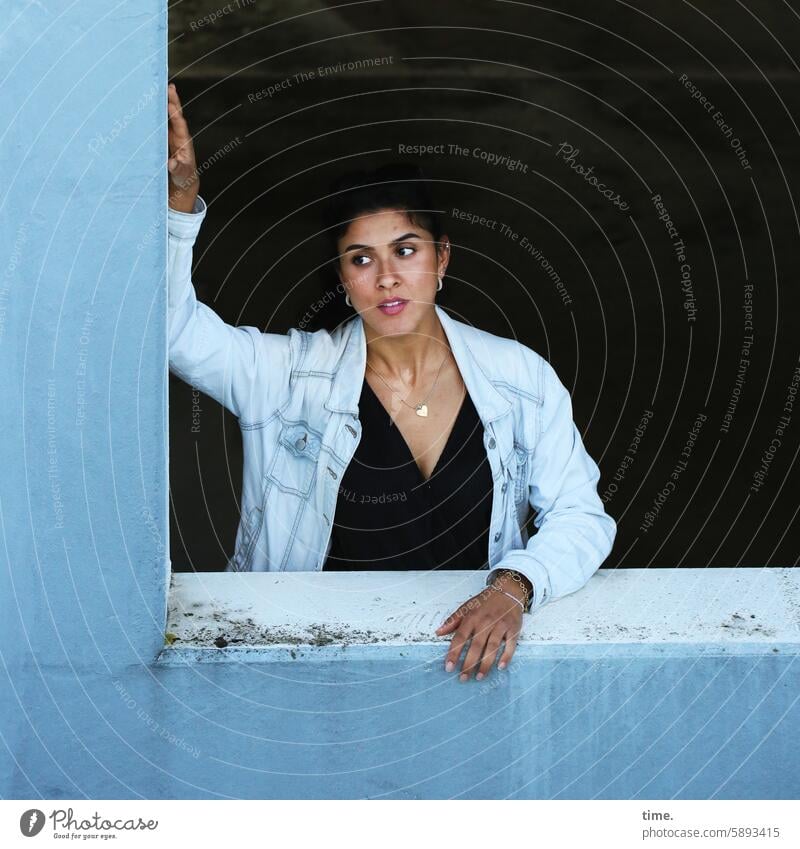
384 326
405 321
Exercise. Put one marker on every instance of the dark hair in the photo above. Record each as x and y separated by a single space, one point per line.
393 185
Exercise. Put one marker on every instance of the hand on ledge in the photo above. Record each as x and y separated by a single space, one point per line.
488 618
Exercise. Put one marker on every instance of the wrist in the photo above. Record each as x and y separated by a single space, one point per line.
516 584
181 202
182 196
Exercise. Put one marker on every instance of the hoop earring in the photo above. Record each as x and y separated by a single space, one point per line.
439 287
348 301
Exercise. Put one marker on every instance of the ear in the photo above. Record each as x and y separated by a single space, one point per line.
443 254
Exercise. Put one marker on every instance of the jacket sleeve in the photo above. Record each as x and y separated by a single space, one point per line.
223 361
575 534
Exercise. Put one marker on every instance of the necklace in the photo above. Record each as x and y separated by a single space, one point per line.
420 409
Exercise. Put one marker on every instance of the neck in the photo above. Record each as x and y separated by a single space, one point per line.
405 357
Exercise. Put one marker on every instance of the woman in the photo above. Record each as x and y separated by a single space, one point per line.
403 439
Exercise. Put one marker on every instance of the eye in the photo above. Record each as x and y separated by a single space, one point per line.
357 257
407 248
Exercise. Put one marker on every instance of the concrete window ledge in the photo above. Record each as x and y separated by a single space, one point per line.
264 616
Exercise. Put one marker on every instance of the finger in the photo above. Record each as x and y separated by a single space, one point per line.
474 654
175 111
490 653
178 125
508 652
456 646
451 623
173 101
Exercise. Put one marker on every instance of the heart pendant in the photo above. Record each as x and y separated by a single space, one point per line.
422 410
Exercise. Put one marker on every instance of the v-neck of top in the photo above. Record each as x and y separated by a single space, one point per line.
373 398
390 517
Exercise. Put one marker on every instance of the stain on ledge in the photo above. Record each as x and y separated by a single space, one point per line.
226 631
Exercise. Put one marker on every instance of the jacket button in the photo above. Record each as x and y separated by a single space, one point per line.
301 443
497 536
492 443
504 487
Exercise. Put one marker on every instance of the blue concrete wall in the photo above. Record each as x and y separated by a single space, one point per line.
84 484
560 723
85 710
556 724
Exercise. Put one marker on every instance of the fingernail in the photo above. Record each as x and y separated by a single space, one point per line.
448 667
463 676
479 676
501 665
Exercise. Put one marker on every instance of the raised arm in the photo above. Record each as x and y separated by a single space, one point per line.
227 363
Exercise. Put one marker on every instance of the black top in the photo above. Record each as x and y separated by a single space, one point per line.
388 517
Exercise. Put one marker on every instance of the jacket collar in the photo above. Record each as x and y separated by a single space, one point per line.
349 377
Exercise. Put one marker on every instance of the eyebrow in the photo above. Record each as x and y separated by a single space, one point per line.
394 241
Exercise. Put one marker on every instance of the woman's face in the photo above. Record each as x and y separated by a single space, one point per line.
383 258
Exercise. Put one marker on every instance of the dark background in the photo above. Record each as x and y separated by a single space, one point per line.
518 79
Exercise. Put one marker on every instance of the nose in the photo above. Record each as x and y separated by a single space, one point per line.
389 281
387 268
388 278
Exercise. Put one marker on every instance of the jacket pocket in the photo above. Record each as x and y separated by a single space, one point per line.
294 467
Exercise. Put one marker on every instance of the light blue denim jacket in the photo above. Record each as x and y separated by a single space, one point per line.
296 398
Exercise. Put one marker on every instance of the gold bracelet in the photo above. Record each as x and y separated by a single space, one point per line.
518 578
512 597
515 576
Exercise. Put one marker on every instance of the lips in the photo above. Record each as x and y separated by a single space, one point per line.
392 306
